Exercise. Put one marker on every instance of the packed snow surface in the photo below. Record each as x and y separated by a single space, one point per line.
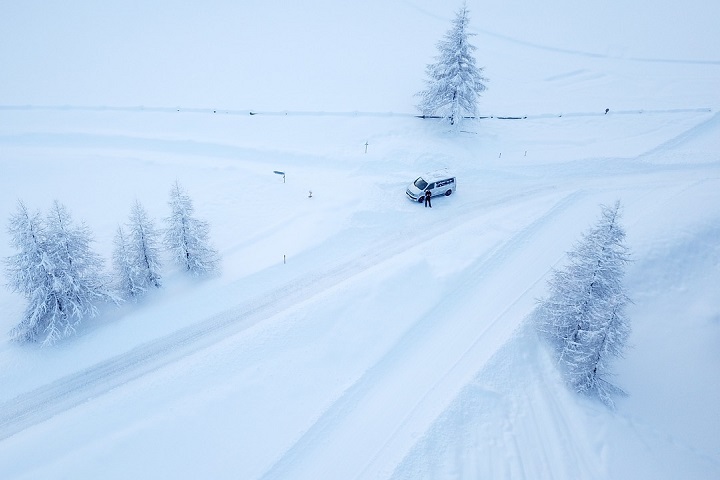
351 332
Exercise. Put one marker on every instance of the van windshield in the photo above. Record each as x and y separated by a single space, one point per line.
420 183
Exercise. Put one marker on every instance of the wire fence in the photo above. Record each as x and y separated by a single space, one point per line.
311 113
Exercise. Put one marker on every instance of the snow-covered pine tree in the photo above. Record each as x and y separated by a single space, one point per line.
454 81
78 279
583 317
144 241
28 271
187 237
129 276
57 272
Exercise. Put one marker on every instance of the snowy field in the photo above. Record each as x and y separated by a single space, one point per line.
356 334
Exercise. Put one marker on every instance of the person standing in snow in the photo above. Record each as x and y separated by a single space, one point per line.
427 199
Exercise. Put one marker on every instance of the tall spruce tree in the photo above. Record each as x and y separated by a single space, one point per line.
144 246
137 255
583 317
58 273
454 81
187 237
127 273
28 271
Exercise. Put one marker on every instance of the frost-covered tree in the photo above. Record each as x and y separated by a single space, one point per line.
129 276
28 271
144 246
454 81
187 237
137 255
57 272
583 316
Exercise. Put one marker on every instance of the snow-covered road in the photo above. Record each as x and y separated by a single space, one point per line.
393 343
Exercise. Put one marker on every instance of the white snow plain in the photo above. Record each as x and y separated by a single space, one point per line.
356 334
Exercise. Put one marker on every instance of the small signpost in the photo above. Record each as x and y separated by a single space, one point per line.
366 145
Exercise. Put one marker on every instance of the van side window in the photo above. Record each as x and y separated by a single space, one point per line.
431 186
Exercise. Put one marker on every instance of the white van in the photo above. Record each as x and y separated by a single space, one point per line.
433 184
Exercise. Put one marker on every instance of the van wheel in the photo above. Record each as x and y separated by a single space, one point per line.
421 199
448 193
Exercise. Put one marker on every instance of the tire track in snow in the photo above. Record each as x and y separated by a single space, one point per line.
567 51
520 424
559 442
709 125
382 414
